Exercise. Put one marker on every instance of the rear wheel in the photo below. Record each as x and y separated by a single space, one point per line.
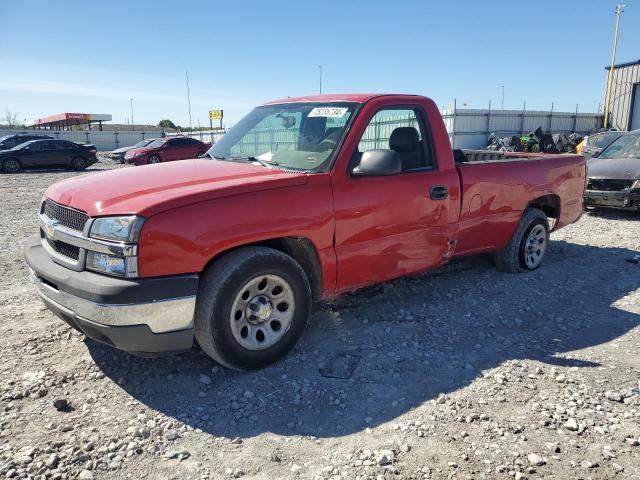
11 165
252 307
154 159
526 249
78 164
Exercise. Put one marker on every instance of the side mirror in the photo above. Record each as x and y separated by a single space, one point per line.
378 163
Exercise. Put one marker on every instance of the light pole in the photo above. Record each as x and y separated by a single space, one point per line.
607 95
132 127
188 99
320 77
502 101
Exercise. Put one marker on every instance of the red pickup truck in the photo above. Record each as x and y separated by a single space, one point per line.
303 199
167 150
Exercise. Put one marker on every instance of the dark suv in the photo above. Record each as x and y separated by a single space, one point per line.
11 141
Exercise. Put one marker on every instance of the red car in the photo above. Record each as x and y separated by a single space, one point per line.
302 200
167 150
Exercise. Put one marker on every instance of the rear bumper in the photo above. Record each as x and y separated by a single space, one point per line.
629 199
141 316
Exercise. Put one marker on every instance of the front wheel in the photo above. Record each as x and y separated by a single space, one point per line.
526 249
11 165
252 307
201 154
154 159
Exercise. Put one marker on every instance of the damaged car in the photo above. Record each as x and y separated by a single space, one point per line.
614 175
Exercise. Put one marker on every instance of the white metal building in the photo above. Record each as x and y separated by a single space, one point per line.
624 105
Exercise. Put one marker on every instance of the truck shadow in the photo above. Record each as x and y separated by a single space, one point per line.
415 338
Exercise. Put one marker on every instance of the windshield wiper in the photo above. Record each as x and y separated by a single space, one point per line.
264 163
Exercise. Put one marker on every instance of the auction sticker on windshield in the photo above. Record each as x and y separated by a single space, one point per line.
330 112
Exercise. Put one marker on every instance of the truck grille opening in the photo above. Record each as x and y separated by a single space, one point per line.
605 185
64 249
68 217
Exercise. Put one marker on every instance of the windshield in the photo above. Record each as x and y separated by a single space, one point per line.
158 142
627 146
143 143
297 136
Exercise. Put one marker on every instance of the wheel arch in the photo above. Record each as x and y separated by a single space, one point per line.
301 249
549 204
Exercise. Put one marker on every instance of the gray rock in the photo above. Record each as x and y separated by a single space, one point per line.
85 475
571 424
385 457
535 459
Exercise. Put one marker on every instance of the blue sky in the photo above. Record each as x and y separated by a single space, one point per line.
94 56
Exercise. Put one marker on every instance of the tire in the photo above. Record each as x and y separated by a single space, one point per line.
522 253
154 159
230 289
79 164
200 154
11 165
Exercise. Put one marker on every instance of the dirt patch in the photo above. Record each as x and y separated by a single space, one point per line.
462 373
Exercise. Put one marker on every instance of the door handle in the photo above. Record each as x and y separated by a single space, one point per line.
438 192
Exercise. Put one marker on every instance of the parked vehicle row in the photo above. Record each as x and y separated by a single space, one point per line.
232 249
47 153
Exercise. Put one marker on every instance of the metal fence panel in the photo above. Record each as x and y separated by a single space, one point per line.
470 128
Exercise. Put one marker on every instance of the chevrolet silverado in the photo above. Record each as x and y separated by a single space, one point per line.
303 199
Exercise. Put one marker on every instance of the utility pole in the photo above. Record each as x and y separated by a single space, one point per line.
320 77
607 96
502 101
132 127
189 100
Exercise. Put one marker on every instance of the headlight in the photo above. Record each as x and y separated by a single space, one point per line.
112 265
119 229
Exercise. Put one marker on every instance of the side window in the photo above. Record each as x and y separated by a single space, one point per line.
34 147
402 130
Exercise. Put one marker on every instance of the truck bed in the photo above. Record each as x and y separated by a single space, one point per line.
496 188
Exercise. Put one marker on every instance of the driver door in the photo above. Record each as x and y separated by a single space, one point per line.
391 226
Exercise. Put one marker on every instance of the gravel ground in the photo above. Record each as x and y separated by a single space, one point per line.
462 373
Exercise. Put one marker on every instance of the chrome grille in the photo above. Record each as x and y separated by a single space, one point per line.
68 217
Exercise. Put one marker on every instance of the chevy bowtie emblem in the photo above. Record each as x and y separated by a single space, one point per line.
49 228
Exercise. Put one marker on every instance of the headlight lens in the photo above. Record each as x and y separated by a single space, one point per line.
112 265
119 229
103 263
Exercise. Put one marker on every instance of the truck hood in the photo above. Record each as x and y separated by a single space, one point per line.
151 189
614 168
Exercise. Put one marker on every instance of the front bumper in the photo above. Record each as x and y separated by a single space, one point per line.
137 161
614 199
142 316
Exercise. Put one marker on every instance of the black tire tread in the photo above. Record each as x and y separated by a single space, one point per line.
213 281
2 167
507 259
